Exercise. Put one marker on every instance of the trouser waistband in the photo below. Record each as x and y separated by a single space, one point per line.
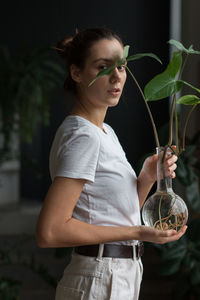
112 250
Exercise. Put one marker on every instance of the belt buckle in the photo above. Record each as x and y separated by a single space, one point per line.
139 250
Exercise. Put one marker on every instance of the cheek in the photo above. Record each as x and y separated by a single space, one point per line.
124 78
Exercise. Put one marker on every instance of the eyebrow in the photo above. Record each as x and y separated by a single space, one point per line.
102 58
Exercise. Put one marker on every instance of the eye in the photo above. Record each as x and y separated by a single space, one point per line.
103 67
121 67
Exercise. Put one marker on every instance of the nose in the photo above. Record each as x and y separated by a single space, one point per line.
115 75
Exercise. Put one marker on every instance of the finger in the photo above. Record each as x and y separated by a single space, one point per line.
172 169
172 175
171 160
177 235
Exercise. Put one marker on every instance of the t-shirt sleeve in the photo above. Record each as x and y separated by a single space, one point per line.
78 155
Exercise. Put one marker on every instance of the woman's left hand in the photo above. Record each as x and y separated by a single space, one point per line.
150 166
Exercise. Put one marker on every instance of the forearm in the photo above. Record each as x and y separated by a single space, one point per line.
75 233
144 185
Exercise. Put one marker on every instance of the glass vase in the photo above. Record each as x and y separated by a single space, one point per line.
164 210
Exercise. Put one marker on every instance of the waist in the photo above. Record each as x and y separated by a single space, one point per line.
112 250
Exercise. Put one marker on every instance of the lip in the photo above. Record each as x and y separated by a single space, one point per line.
114 91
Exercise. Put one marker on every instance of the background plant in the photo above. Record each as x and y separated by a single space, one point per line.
12 256
26 84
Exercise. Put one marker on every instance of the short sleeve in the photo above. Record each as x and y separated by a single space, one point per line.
78 154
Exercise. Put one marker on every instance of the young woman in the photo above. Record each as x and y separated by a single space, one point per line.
94 201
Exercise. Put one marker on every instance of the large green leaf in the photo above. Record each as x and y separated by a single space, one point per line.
189 100
141 55
165 84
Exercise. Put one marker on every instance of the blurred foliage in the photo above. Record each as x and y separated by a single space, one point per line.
9 289
27 80
11 255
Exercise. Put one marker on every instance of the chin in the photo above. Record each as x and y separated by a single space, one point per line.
114 102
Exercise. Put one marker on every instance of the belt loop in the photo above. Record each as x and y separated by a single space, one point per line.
100 252
134 252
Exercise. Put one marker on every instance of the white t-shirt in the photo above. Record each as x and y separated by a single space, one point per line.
83 150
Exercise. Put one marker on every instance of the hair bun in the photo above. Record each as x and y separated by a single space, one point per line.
63 47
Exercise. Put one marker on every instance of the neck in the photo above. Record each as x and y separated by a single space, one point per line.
92 114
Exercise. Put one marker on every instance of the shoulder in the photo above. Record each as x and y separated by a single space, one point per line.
111 131
77 129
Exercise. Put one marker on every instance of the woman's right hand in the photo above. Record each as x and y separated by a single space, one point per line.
149 234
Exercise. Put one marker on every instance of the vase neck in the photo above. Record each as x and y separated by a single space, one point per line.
164 182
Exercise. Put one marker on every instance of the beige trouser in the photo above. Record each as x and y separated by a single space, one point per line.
100 278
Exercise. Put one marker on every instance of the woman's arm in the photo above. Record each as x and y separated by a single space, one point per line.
148 175
57 228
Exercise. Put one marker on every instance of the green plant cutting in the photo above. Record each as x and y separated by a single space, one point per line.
163 85
166 84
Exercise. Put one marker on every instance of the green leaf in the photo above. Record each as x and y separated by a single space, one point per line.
189 100
190 85
141 55
102 73
126 50
192 51
180 47
108 70
165 84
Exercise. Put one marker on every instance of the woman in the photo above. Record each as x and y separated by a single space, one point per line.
94 201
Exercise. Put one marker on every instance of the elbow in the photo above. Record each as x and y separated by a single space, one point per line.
43 238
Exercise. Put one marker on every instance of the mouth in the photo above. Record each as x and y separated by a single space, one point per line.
114 91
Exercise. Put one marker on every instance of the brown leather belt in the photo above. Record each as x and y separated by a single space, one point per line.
112 250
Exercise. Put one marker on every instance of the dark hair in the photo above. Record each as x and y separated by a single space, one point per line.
75 50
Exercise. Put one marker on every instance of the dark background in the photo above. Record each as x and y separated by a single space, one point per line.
144 25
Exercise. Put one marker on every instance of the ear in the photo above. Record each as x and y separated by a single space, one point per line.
75 73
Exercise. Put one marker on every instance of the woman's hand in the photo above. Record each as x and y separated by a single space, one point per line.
150 166
148 174
149 234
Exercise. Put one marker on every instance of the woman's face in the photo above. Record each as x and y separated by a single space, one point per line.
107 89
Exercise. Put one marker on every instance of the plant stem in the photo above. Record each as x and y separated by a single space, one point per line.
185 126
159 212
181 72
147 106
171 121
172 110
176 128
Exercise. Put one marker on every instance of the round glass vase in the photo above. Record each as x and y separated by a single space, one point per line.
164 210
